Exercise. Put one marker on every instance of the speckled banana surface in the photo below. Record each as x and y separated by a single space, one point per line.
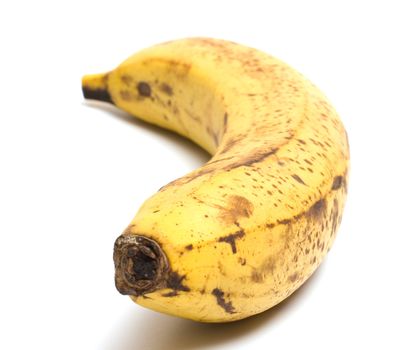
244 231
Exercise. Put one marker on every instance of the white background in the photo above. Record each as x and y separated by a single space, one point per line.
73 174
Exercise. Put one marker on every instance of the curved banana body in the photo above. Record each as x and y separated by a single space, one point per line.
241 233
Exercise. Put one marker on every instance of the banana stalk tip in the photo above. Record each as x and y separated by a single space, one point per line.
140 265
95 87
96 94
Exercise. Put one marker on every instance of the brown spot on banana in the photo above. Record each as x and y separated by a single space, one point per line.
266 268
222 269
166 89
257 277
242 261
317 210
225 125
285 221
298 179
293 277
126 95
127 79
174 282
237 207
222 301
144 89
231 239
337 182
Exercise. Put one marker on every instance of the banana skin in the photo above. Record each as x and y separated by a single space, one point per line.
238 235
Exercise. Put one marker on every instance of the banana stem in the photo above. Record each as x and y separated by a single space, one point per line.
140 265
95 87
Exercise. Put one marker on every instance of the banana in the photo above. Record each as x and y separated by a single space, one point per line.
238 235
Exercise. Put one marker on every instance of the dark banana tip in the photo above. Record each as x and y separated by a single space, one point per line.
97 94
95 87
140 265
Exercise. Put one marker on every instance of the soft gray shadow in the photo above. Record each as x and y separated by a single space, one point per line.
155 331
183 144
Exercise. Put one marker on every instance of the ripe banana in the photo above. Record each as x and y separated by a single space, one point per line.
244 231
